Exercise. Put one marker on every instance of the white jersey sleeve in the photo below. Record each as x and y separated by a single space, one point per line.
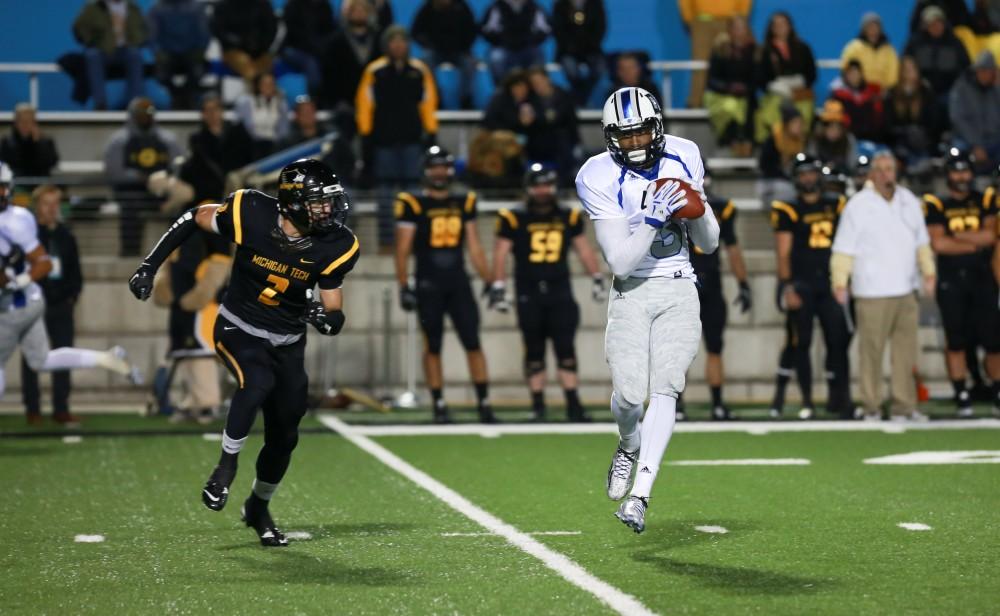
18 227
595 185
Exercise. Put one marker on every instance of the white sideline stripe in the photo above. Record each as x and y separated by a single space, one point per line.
547 533
298 535
748 427
744 462
212 436
89 538
717 530
914 526
915 458
568 569
72 439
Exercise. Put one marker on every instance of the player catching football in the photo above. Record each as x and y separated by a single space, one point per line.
284 248
636 195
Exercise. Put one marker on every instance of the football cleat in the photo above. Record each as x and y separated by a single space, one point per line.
620 472
632 513
964 403
259 519
806 413
775 413
914 416
441 414
216 490
721 413
486 415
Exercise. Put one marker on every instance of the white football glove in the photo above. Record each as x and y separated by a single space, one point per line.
661 204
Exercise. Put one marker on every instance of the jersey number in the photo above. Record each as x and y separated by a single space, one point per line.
446 231
963 223
820 233
546 246
668 242
279 285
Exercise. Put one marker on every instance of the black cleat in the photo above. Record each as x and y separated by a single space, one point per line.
216 490
578 415
259 519
539 415
486 415
721 413
441 414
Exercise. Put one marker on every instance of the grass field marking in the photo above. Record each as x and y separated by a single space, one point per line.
298 535
749 427
716 530
537 533
72 439
569 570
914 526
89 538
212 436
744 462
915 458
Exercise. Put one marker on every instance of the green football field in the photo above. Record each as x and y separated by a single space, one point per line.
768 518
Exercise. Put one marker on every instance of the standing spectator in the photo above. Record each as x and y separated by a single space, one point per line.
579 27
788 138
61 288
28 152
113 32
217 148
350 50
882 246
975 112
706 20
730 96
832 143
246 30
308 27
556 137
446 30
179 36
396 105
879 63
516 30
938 52
786 71
955 11
914 119
132 154
631 71
512 107
264 115
862 101
306 125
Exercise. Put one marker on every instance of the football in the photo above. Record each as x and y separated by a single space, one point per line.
695 207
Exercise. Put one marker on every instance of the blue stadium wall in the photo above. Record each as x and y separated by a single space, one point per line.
39 31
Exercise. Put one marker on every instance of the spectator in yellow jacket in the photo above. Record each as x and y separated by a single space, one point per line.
706 20
871 48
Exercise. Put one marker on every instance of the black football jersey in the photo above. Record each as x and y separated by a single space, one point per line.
812 227
440 226
270 277
541 241
961 215
725 213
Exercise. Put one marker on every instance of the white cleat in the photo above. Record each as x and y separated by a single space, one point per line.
915 416
632 513
120 365
620 473
806 413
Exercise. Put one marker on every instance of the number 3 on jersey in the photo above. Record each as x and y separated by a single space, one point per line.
668 242
267 296
446 231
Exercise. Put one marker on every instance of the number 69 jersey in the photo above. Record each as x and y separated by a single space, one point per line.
609 190
271 274
440 231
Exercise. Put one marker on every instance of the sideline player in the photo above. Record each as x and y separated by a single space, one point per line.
23 262
284 248
539 236
962 228
653 327
435 226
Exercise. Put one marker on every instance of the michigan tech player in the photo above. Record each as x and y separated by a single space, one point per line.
962 228
540 236
653 326
284 248
436 226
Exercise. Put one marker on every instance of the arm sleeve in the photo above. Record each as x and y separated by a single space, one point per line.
470 207
934 211
25 232
405 209
622 250
705 231
599 206
333 275
781 216
229 217
575 227
506 224
727 224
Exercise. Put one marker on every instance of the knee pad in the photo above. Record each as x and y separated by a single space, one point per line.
624 400
568 364
533 367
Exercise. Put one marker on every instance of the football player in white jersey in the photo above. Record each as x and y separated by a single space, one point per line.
23 261
654 326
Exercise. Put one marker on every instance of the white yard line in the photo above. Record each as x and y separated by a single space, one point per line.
914 526
89 538
747 427
72 439
569 570
544 533
744 462
715 530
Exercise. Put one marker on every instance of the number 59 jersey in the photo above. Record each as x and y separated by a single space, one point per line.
440 231
540 241
271 273
609 190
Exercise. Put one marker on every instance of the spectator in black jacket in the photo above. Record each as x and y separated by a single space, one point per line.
579 27
730 96
914 120
351 49
516 30
179 36
512 106
555 137
955 11
216 149
786 71
246 30
308 27
631 72
61 289
28 152
446 30
938 52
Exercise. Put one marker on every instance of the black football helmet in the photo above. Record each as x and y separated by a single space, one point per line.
538 175
436 156
835 180
959 165
802 165
310 195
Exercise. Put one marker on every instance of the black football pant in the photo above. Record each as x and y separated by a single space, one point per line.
818 303
272 379
546 310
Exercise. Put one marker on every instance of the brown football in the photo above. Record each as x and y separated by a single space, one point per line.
695 207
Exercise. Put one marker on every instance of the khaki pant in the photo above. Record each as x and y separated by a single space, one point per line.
892 320
703 35
199 377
